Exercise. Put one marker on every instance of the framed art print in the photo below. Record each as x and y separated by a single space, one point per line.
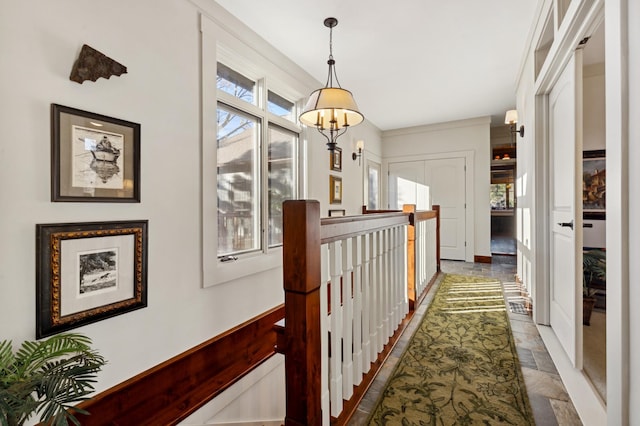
335 159
86 272
335 189
594 174
94 158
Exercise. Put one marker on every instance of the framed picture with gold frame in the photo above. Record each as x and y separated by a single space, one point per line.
335 158
335 189
87 272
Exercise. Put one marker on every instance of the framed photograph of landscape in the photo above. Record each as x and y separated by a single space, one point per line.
335 157
94 158
86 272
594 184
335 189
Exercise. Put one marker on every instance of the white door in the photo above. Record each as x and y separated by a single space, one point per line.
565 202
404 178
446 180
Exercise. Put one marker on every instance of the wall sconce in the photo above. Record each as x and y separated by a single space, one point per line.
331 110
511 118
358 153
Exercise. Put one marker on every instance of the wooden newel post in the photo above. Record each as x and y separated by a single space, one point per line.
436 208
411 256
301 269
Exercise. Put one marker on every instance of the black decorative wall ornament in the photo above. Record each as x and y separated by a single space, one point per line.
91 65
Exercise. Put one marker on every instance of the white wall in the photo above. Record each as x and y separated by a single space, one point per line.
594 137
352 174
456 136
622 41
526 182
159 42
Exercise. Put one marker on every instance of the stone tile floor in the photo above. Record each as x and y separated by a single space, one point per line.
548 397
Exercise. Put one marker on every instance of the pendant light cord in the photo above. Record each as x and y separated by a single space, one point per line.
331 61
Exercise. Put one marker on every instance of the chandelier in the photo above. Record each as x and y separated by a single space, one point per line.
332 109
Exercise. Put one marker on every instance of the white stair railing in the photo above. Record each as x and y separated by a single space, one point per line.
368 270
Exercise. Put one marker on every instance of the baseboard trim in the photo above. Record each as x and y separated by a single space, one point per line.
169 392
482 259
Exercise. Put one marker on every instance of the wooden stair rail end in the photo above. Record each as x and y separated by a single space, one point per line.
302 347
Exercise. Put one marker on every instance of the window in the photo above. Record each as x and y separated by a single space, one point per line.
238 192
282 178
502 196
257 154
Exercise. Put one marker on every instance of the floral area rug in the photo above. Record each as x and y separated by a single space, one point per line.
461 366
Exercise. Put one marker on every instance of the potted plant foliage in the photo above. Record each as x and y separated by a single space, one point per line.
594 268
46 377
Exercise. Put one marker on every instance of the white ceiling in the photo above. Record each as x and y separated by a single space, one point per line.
408 63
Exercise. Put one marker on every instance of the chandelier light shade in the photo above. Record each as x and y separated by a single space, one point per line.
332 109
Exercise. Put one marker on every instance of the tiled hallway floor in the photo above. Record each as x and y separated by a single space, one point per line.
549 399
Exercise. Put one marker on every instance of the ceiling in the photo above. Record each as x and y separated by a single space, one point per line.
421 62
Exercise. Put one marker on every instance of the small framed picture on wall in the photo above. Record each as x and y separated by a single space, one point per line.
336 159
335 189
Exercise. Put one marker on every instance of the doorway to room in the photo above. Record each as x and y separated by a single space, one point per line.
503 197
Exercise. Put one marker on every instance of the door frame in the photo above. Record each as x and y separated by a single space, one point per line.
589 16
469 157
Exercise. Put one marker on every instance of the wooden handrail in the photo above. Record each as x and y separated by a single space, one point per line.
337 228
169 392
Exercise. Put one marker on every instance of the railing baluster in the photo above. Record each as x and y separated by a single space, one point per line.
347 320
357 310
335 360
375 294
366 306
380 281
325 395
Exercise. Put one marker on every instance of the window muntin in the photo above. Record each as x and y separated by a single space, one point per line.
254 157
238 179
282 178
280 106
236 84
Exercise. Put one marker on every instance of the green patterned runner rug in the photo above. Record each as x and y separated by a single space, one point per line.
461 366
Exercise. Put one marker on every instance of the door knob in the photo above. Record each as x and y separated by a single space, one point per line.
566 224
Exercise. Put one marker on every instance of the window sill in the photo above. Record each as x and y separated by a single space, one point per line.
224 272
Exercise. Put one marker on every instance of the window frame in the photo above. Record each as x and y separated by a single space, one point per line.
219 45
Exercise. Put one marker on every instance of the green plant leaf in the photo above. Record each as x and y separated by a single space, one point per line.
47 377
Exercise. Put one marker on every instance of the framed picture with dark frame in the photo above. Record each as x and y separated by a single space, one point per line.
335 189
87 272
594 184
335 158
94 158
337 212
